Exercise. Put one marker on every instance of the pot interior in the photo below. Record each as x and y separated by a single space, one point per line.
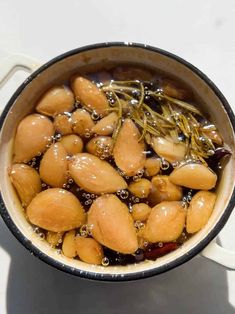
62 70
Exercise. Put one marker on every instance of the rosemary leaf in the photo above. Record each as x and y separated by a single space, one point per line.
177 102
141 95
144 128
119 122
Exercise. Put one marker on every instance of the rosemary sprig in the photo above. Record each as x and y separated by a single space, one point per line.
106 88
173 118
119 123
144 128
157 115
177 102
149 128
141 96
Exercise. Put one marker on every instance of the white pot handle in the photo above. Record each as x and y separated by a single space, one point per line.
13 63
219 255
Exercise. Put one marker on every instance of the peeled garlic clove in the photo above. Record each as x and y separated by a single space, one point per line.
54 238
168 150
152 166
82 122
90 95
112 224
194 176
72 143
100 146
103 76
106 125
126 73
163 189
174 89
165 222
26 181
140 211
140 188
63 124
32 137
69 246
56 100
214 136
128 151
56 210
199 211
94 175
89 250
54 165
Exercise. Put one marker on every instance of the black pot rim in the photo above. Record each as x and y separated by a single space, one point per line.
129 276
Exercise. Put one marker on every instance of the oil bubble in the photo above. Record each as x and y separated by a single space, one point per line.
139 225
83 231
87 135
164 164
105 261
69 158
124 194
58 136
140 173
136 178
77 104
42 235
210 152
94 115
36 230
145 244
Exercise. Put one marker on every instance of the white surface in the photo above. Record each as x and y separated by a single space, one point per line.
201 32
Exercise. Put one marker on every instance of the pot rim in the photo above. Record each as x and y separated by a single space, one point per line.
130 276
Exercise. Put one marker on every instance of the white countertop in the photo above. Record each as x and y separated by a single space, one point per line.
201 32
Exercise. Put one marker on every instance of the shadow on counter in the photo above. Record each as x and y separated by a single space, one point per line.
198 286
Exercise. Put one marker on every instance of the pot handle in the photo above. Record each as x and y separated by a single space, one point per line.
12 64
218 254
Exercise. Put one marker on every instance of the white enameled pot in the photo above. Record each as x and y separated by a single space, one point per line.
60 69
